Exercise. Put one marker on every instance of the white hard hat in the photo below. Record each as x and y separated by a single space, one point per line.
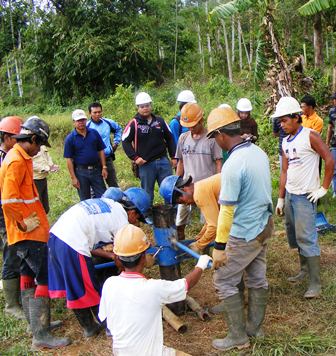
142 98
186 96
244 105
224 106
287 105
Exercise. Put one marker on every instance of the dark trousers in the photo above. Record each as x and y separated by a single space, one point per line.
42 188
10 260
111 179
90 179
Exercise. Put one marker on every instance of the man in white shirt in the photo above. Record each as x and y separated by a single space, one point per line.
300 189
71 247
132 304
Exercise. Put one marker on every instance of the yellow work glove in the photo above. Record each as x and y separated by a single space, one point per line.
219 258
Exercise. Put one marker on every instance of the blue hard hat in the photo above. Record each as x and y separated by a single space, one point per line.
139 198
113 193
171 184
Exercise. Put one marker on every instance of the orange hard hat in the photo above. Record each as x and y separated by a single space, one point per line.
191 114
219 118
11 124
130 240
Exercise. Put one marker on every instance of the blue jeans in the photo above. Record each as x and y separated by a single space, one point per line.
333 182
90 178
156 170
300 215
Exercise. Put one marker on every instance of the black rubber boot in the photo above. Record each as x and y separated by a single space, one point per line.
39 312
11 290
314 289
303 271
235 320
257 301
87 322
27 294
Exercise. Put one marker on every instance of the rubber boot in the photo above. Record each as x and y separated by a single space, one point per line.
235 320
314 288
180 232
303 271
27 294
87 322
39 313
11 289
257 301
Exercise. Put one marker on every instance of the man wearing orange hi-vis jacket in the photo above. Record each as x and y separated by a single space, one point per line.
28 228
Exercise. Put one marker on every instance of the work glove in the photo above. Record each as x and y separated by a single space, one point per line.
280 206
32 222
150 260
317 194
219 258
203 262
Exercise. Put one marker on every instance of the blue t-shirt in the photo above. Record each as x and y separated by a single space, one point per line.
105 127
332 122
176 128
83 150
246 183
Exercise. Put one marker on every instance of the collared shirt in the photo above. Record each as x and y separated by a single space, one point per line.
246 184
313 122
106 127
20 198
83 149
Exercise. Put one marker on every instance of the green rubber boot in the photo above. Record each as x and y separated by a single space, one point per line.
257 301
303 271
235 320
314 288
11 290
39 313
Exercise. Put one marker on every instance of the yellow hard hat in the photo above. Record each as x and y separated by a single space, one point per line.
219 118
129 241
191 114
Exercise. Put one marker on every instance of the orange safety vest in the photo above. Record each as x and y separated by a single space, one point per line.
19 197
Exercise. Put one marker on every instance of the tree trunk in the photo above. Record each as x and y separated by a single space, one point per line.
240 45
233 39
227 52
9 77
176 38
318 42
251 41
208 36
334 79
244 45
200 47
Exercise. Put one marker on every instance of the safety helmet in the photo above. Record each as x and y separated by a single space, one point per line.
219 118
35 126
142 98
287 105
11 124
244 105
191 114
140 200
171 184
113 193
186 96
224 106
130 240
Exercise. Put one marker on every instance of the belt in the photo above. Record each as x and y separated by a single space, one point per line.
86 166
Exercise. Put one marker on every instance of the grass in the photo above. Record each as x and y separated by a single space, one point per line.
293 326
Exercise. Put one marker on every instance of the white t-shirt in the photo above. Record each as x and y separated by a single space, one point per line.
303 163
89 222
132 306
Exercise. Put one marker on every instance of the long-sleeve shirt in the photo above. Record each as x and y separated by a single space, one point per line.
151 138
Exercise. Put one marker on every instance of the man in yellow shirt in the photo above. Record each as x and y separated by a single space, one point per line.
204 194
310 119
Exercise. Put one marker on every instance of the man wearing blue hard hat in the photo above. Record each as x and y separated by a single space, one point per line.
72 244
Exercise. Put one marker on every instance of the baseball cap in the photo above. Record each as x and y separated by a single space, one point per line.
79 114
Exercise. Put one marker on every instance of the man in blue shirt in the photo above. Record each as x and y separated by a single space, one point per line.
84 153
244 225
106 127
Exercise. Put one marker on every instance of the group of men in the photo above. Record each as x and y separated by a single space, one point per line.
235 201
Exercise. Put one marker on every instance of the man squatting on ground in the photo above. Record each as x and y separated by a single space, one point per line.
71 269
244 225
300 189
28 229
136 323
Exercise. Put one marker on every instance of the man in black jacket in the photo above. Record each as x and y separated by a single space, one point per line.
145 140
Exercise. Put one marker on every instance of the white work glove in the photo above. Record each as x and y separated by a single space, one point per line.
203 262
279 210
317 194
32 222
